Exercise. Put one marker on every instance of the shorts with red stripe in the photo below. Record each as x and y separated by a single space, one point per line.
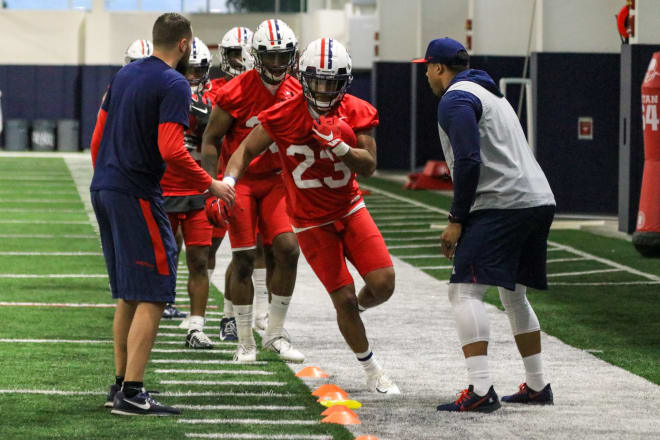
195 226
260 206
138 245
355 237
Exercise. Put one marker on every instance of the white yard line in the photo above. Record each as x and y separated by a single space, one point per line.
43 210
51 275
426 239
56 341
413 223
46 304
403 199
585 272
606 283
83 236
414 246
252 383
247 422
565 260
204 362
435 267
40 201
51 254
241 407
228 372
237 436
44 222
224 394
416 257
401 231
54 392
190 351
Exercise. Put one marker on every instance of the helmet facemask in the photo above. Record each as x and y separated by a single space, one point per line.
198 76
324 92
232 60
273 65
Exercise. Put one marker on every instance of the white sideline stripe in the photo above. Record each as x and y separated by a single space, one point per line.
412 257
435 267
45 222
40 201
183 333
45 304
189 351
379 191
586 272
605 283
253 383
241 407
224 394
37 179
605 261
52 275
202 362
215 313
43 210
413 246
237 372
181 343
552 249
54 392
52 254
247 422
49 236
408 231
564 260
386 224
186 300
259 436
425 238
58 341
181 319
45 193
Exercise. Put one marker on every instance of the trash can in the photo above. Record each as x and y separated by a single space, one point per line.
43 135
16 134
67 135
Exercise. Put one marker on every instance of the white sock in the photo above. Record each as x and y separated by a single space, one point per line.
229 309
244 324
534 372
277 314
210 273
195 322
368 361
478 375
260 292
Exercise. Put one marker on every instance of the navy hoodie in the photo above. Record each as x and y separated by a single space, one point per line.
459 113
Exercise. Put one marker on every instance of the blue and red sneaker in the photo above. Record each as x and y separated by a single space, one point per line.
527 395
469 401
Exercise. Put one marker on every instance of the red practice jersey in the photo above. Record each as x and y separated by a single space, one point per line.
320 187
244 97
213 87
172 183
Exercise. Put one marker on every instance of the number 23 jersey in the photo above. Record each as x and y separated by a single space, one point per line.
320 187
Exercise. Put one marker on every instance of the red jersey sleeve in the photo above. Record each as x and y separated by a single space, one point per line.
228 97
284 119
359 114
174 153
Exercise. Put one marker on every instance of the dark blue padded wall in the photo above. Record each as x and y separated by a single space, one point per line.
95 80
582 173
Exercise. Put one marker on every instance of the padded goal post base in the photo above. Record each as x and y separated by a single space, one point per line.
435 176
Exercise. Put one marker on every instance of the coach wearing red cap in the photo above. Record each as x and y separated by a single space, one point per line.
498 223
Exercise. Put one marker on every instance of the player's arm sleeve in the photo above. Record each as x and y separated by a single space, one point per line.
364 117
97 135
458 115
174 153
228 98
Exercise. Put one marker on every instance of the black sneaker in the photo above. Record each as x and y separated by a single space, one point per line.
527 395
228 329
468 400
114 389
141 404
171 312
198 339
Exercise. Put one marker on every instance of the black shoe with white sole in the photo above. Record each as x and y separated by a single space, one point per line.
141 404
198 339
110 398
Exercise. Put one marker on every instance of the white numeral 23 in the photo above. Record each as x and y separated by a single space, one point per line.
308 162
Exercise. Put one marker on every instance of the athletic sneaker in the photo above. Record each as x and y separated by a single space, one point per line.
114 389
141 404
172 312
379 382
245 353
228 329
281 344
468 400
261 321
527 395
198 339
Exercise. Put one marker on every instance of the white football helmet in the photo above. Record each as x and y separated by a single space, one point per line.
324 71
137 50
275 49
199 64
230 51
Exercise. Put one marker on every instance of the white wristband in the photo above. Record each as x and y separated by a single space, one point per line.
229 180
341 149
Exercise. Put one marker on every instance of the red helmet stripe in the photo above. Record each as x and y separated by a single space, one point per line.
322 53
270 29
142 43
239 35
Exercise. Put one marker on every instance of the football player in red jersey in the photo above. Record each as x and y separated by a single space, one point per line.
231 56
324 138
184 204
260 199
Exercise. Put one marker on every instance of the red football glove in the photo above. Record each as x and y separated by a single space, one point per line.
213 212
327 133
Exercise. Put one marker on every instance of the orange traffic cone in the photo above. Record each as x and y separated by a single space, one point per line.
342 418
333 395
366 437
338 408
312 372
327 388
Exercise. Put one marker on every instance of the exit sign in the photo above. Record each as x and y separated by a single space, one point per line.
585 128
